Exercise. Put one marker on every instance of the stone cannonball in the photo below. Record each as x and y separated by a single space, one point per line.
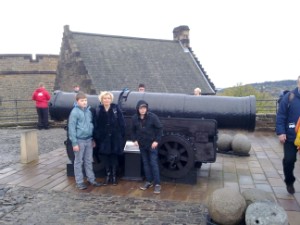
224 142
241 144
226 206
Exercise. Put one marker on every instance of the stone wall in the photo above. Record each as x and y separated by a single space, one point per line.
265 122
71 69
15 63
20 76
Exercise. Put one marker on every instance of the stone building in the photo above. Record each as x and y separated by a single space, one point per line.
100 62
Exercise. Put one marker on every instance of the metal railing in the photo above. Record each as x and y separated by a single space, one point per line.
17 111
266 106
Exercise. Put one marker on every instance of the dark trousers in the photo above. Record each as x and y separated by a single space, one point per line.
289 159
110 160
150 164
42 118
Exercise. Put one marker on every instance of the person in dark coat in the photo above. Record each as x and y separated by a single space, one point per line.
286 120
146 133
109 134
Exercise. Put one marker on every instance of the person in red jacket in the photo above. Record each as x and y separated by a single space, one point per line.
41 97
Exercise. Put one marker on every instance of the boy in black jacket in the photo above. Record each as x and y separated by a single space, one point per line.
146 133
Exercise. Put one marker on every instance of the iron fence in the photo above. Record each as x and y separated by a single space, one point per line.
17 111
266 106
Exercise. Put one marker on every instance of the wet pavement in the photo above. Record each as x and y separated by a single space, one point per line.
48 140
41 193
19 205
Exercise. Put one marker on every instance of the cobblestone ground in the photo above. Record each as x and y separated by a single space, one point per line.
48 140
22 206
25 206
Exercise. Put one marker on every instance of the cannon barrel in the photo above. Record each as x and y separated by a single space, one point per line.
229 112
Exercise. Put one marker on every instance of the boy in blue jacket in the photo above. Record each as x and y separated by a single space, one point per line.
286 120
80 128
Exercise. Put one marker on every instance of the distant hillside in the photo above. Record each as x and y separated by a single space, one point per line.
272 87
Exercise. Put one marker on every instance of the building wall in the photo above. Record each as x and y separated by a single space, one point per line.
25 62
71 69
20 76
265 122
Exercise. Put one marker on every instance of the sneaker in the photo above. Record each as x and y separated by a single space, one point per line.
96 184
157 189
290 188
81 186
146 186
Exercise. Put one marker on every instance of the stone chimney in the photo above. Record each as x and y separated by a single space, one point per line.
182 33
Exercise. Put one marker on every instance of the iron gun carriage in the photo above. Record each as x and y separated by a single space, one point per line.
190 123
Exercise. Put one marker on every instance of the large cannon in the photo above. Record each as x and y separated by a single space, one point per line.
190 123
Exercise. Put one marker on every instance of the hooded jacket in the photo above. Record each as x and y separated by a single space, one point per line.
288 114
80 124
41 97
147 130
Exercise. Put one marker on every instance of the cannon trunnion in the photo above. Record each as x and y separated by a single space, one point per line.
190 124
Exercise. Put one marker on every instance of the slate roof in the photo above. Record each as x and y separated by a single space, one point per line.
117 62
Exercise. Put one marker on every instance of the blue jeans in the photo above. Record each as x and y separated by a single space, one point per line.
288 162
150 163
84 157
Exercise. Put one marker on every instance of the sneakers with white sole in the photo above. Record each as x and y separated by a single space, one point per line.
157 189
146 186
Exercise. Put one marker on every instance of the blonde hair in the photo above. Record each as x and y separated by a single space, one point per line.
41 84
198 90
104 93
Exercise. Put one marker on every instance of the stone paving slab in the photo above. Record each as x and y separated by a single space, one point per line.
48 140
262 169
22 206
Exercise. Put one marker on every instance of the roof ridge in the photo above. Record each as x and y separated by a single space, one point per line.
120 36
202 68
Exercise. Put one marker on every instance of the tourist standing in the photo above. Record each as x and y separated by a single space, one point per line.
41 97
146 133
80 131
109 135
286 120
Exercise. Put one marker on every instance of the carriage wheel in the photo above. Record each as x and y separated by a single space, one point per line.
176 156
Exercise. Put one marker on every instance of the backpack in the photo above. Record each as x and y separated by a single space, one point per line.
282 95
291 96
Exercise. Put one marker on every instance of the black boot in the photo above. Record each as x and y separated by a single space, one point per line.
114 176
108 178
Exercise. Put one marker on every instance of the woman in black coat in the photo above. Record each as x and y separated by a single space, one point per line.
109 134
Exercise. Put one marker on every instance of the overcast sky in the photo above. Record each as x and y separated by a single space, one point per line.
236 41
